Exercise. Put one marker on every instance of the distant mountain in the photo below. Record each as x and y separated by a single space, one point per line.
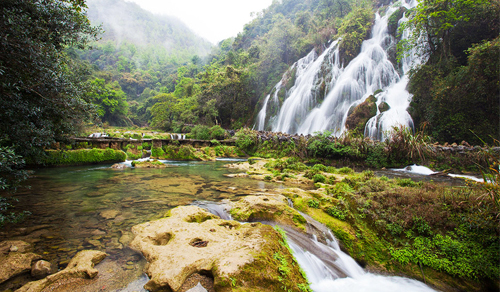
127 21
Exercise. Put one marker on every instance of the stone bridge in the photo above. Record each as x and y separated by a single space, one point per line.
121 143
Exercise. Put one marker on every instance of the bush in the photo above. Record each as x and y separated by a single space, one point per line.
319 178
200 132
246 140
336 212
217 132
346 170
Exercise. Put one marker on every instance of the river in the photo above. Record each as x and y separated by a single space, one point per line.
94 207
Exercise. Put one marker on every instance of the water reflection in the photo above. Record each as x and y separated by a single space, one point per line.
94 207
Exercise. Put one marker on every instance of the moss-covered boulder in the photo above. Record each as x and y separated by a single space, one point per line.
239 257
267 208
80 157
149 164
359 116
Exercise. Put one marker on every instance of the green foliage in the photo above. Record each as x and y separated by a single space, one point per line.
11 172
354 31
435 19
346 170
217 132
323 146
246 140
200 132
110 102
42 92
407 182
82 156
336 212
7 216
319 178
313 203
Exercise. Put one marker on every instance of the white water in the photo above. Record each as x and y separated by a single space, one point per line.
357 279
422 170
305 112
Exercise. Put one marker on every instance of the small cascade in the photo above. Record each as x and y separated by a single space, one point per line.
322 279
177 136
327 267
324 90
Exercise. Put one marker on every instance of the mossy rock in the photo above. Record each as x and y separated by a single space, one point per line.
81 156
267 208
383 107
239 257
148 164
359 116
393 21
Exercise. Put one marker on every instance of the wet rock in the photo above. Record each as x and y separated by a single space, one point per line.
41 269
109 214
197 288
232 175
81 266
267 208
233 250
119 166
15 259
359 116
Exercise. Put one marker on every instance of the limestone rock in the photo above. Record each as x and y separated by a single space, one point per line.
80 266
191 240
267 207
41 269
119 166
14 260
109 214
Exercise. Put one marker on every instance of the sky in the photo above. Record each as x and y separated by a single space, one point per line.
214 20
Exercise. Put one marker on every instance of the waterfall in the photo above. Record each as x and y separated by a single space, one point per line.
327 267
356 279
325 90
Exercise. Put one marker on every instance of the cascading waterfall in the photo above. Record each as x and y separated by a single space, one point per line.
322 279
307 109
327 267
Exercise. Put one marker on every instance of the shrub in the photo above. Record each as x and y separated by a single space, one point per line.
319 178
346 170
217 132
313 203
336 212
200 132
246 140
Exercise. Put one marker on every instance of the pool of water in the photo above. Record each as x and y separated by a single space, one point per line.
94 207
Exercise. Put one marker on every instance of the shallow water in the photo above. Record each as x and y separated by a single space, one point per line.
94 207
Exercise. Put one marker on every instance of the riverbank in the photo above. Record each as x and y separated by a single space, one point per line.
444 236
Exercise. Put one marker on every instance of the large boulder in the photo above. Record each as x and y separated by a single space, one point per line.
80 266
266 207
359 116
239 257
15 259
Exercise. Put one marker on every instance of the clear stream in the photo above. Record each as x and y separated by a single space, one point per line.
94 207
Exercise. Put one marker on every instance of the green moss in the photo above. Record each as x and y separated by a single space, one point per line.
82 156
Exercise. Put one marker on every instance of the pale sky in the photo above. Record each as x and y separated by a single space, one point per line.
213 20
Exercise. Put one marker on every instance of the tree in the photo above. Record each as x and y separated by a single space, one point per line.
42 90
433 22
110 101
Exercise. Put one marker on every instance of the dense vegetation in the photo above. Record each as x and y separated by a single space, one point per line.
456 91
